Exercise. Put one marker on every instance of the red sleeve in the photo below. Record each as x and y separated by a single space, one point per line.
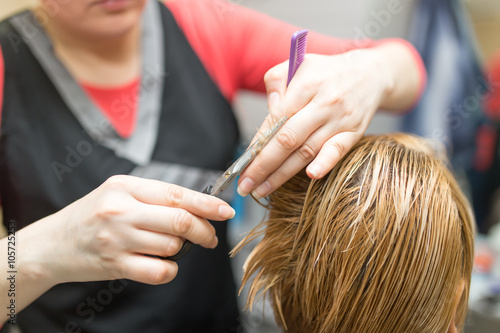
238 45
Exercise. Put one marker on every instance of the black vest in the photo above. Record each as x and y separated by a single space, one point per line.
196 128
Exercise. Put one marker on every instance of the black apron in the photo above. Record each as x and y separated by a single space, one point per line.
48 160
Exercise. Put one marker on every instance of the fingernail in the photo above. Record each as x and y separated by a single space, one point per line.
226 212
246 186
273 100
314 171
262 191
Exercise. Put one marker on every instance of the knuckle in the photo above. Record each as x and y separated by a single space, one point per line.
349 111
183 223
310 85
306 153
107 209
279 176
172 247
335 101
105 241
271 75
287 139
161 274
117 182
347 107
173 196
258 169
340 147
203 201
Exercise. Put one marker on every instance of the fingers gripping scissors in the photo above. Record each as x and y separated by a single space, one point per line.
231 174
297 52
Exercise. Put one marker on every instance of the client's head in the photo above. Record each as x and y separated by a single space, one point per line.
382 244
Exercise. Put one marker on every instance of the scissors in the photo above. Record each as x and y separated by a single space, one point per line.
231 174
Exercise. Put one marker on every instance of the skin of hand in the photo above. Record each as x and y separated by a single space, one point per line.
329 103
104 235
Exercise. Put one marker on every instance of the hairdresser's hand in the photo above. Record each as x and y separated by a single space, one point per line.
330 103
104 235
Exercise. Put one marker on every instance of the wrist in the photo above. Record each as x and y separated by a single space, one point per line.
386 71
37 255
374 65
28 276
401 65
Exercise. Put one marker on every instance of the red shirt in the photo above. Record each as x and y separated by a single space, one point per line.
236 45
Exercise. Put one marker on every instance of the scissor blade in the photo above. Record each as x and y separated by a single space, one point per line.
224 180
248 156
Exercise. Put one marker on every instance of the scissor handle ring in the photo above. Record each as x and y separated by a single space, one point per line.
182 252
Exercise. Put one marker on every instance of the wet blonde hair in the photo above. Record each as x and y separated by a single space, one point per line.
382 244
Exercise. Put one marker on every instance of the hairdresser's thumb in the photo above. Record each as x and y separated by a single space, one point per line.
273 99
275 80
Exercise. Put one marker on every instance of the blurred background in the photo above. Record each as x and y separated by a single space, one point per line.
460 111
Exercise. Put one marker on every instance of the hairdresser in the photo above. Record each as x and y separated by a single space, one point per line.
136 88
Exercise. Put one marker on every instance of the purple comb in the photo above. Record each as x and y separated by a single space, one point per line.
297 52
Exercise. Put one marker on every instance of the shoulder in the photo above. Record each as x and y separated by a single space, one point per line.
202 10
214 14
201 6
198 19
215 33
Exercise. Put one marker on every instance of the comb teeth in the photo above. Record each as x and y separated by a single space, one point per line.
297 52
301 51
